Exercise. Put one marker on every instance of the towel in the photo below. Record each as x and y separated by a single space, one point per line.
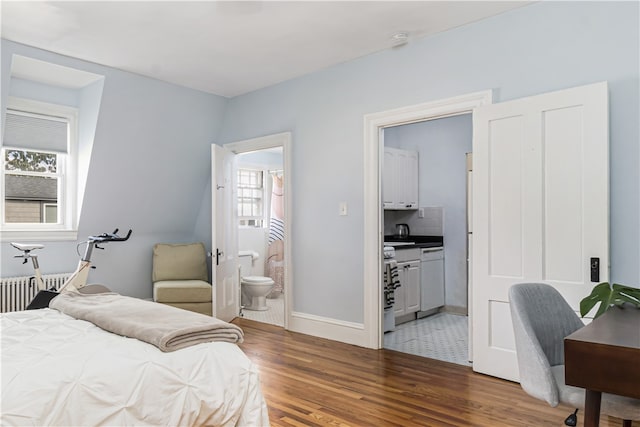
391 279
168 328
391 282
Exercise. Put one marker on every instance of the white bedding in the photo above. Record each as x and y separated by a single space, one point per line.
57 370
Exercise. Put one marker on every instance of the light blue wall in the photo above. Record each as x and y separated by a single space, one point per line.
535 49
442 169
150 165
88 112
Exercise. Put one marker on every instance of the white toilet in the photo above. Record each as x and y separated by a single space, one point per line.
254 288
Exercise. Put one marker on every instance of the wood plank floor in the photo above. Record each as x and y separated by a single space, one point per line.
310 381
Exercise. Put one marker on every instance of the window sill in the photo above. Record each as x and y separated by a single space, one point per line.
38 235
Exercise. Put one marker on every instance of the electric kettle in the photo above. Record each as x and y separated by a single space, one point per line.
402 231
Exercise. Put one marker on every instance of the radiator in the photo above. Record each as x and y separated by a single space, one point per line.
17 292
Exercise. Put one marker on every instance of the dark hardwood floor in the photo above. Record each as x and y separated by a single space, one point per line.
310 381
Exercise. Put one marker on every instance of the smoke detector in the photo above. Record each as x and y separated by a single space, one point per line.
400 38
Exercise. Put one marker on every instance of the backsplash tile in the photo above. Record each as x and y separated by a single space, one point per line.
430 225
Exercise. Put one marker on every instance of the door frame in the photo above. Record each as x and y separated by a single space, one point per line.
373 211
272 141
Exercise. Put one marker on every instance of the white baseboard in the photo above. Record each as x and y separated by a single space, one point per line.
324 327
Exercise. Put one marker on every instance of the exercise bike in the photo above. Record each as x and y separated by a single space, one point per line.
78 279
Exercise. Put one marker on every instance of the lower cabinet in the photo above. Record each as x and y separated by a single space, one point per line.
407 296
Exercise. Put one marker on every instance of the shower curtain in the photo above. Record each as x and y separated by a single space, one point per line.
274 263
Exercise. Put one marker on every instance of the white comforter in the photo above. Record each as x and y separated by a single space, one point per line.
57 370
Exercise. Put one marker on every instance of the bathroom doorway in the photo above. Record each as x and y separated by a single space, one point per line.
263 227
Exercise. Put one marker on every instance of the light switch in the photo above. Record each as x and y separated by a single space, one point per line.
343 208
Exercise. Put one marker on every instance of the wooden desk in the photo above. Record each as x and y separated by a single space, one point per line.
604 356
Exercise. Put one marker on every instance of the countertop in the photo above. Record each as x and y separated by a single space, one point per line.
416 242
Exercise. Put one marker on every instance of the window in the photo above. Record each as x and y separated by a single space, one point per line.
38 188
31 186
250 198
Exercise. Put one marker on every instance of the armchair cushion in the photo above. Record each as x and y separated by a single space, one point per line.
179 262
181 291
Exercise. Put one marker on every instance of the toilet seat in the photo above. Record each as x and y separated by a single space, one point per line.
257 280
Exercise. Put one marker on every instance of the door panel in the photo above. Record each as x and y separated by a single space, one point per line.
505 196
225 275
540 208
563 196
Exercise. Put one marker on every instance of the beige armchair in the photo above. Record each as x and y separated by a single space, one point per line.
180 277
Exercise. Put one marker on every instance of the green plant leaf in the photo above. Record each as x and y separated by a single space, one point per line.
626 294
599 293
607 295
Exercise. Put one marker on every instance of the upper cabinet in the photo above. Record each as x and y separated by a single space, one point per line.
400 179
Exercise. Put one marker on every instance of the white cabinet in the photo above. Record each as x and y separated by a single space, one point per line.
407 296
389 178
400 179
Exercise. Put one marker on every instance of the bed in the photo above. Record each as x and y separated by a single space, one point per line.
57 370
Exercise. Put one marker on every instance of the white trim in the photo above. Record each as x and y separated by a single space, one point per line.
260 143
44 211
38 235
373 229
25 105
324 327
271 141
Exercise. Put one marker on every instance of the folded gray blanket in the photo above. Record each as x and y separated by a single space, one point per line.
166 327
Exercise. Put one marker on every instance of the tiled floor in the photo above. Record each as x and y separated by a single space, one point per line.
274 316
442 336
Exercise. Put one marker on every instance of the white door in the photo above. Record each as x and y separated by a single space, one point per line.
412 290
225 278
540 208
399 296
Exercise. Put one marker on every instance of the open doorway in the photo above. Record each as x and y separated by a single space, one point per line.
426 237
263 226
260 176
374 127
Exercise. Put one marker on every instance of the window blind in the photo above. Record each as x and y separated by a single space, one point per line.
35 132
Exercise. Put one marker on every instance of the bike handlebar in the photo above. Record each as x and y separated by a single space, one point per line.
110 237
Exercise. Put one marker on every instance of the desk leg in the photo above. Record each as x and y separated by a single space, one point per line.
592 408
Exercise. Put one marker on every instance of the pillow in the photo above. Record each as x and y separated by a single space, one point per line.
179 262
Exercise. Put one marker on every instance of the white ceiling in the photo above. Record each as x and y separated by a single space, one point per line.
229 47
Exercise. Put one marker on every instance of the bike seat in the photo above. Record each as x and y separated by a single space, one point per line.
26 247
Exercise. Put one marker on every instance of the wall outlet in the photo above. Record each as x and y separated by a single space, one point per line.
421 213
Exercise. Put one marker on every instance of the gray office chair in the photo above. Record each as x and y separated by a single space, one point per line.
541 320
